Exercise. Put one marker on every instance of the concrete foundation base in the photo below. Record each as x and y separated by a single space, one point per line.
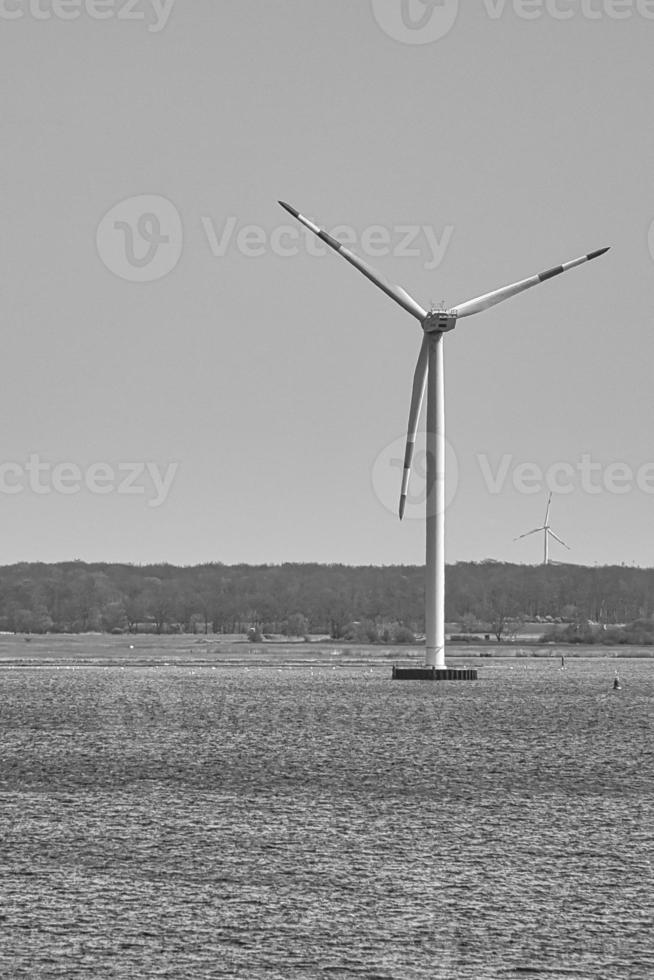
434 673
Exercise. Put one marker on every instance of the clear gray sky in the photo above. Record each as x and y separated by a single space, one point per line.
149 335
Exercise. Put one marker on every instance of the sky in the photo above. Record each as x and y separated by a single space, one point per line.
186 378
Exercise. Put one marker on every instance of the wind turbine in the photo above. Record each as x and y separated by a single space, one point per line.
547 533
435 324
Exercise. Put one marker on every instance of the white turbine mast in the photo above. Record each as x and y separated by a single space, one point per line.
547 534
429 374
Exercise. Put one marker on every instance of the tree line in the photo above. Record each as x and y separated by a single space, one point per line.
358 602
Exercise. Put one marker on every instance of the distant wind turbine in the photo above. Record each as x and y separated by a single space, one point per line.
429 374
547 533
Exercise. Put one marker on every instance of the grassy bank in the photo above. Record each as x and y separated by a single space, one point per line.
101 649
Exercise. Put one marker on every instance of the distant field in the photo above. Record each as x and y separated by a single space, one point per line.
143 650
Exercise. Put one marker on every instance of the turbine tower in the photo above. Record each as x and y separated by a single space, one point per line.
547 533
429 374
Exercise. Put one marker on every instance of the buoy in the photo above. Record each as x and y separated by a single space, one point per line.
616 682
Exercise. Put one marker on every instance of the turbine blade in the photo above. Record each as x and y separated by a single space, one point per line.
558 539
395 292
527 533
417 395
547 512
505 292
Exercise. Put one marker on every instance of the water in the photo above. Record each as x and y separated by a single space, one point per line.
316 822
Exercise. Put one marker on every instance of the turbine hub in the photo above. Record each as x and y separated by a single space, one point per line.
438 321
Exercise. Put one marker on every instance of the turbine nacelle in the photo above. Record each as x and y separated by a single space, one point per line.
438 321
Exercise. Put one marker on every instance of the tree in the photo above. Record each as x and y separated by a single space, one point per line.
364 631
498 611
158 600
469 623
296 625
113 616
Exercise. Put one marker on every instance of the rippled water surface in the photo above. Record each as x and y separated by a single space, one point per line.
315 822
